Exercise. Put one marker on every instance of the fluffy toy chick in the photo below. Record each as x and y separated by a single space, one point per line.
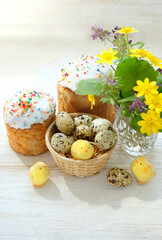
82 150
39 174
142 170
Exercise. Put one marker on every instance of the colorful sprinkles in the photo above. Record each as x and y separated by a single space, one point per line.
84 67
28 107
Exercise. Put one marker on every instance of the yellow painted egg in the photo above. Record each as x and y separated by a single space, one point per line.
82 150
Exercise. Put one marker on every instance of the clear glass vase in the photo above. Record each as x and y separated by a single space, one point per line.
133 142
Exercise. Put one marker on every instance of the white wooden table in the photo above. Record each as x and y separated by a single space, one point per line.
35 38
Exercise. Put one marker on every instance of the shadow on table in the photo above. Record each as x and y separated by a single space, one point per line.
49 191
95 190
28 161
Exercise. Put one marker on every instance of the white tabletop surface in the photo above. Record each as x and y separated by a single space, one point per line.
36 36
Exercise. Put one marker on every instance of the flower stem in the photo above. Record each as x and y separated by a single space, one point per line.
127 44
113 68
110 40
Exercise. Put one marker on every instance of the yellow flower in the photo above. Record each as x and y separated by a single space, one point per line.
91 98
139 53
151 122
126 30
155 102
107 56
146 88
154 60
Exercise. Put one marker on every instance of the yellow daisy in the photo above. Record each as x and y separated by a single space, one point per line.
91 98
146 88
154 60
126 30
107 56
139 53
151 122
155 102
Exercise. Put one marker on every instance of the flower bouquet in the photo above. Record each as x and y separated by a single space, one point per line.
134 85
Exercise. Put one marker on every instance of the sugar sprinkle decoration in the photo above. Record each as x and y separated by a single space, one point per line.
28 107
82 68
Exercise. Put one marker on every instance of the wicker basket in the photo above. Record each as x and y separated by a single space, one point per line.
79 168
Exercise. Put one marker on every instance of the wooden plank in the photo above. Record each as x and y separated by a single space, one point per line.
66 206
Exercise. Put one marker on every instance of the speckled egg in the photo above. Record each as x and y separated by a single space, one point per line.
118 177
60 143
70 139
82 132
105 139
99 124
64 123
82 120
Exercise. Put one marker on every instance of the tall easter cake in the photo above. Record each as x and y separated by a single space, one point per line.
27 116
82 68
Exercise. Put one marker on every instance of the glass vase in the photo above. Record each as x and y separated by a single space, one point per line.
133 142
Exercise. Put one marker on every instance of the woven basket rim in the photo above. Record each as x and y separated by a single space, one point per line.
76 160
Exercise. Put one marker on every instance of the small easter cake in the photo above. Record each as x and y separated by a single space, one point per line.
27 116
82 68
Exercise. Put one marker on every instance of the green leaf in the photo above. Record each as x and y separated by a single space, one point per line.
112 101
90 87
126 112
145 134
131 70
133 122
141 44
128 99
114 93
106 31
121 59
137 112
159 81
110 74
104 99
109 100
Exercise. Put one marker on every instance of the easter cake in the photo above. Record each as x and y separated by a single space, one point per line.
82 68
27 116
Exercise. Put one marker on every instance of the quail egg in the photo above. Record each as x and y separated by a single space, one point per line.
60 143
118 177
105 139
82 119
70 139
64 123
100 124
82 132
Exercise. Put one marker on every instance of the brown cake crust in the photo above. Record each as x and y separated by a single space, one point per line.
70 102
30 141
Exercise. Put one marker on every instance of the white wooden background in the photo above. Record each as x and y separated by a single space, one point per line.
36 36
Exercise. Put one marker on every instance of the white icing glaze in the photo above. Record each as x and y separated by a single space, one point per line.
82 68
27 108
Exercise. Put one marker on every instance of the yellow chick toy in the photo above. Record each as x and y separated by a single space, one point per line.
82 150
39 174
142 170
